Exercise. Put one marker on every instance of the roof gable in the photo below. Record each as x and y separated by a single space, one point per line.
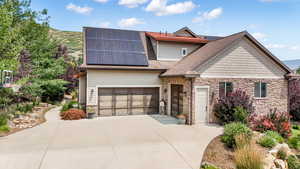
185 31
189 64
241 60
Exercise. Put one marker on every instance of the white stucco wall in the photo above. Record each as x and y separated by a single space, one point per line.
172 51
117 78
242 60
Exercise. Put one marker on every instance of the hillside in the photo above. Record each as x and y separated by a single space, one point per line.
293 64
73 40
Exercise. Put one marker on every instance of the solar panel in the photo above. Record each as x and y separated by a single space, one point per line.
114 47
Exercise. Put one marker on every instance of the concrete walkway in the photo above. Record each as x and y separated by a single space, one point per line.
131 142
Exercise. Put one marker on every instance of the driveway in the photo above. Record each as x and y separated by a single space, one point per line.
128 142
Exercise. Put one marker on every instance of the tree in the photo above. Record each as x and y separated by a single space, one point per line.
298 70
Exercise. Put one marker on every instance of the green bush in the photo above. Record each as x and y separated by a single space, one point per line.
294 142
32 91
232 130
4 128
293 162
69 105
3 119
296 127
240 114
7 97
53 90
267 141
275 135
208 166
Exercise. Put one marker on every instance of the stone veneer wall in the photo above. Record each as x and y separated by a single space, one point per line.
186 89
277 93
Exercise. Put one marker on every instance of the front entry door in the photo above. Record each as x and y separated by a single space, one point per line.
176 99
201 100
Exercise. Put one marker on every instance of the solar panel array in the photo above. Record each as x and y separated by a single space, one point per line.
114 47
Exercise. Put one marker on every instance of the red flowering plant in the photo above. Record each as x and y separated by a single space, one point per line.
224 107
274 120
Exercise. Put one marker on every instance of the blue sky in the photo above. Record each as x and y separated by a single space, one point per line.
275 23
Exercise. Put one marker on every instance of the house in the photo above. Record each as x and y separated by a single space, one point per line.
134 72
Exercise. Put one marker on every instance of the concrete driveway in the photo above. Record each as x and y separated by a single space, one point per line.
132 142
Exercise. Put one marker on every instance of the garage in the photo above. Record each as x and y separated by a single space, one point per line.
128 101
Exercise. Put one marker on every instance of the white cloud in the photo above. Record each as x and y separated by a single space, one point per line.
132 3
276 46
101 1
296 48
129 22
259 35
283 46
104 24
209 15
161 8
78 9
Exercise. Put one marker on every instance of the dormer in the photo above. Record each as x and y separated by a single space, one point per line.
175 46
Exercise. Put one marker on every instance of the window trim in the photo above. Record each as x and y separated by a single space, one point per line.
260 89
225 87
186 51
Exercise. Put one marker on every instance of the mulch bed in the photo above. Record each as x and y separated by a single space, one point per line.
41 120
219 155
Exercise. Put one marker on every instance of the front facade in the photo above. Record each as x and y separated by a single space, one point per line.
132 73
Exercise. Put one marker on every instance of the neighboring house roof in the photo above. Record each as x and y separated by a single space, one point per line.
187 66
154 65
186 29
170 37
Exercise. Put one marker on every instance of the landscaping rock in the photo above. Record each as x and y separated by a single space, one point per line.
269 162
284 146
280 164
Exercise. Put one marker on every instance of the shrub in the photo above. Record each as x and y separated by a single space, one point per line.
232 130
296 127
224 108
53 90
282 154
69 105
240 114
208 166
72 114
293 162
294 88
4 128
31 91
294 142
275 136
274 120
248 158
3 119
7 97
267 141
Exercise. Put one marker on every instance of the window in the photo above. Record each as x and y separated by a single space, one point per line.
225 88
260 90
184 51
